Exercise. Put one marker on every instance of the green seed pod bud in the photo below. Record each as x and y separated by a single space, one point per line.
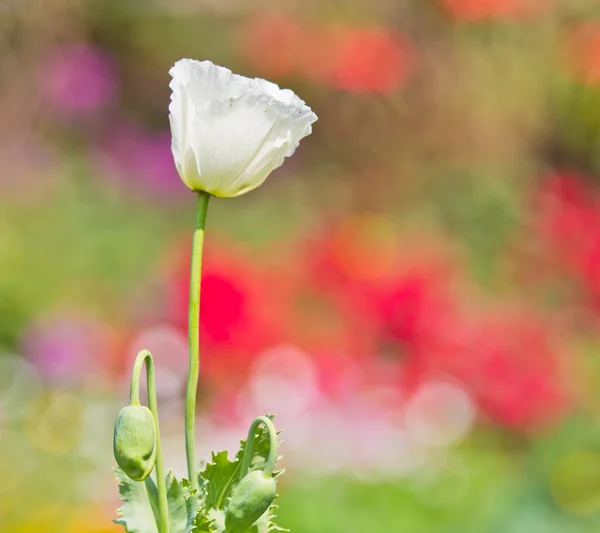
249 501
134 443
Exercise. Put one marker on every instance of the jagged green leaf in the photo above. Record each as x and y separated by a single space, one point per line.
266 524
197 516
217 517
221 476
203 523
139 511
136 514
178 506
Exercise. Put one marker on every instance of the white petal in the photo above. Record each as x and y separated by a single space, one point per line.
204 81
285 96
194 85
230 132
240 141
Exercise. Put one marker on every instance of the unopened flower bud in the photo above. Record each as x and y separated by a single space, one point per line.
250 500
134 441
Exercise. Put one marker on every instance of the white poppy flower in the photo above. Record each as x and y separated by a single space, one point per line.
230 132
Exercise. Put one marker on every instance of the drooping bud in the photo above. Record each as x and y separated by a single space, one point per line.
250 500
134 443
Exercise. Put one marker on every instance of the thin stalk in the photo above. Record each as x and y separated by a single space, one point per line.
193 337
144 357
272 457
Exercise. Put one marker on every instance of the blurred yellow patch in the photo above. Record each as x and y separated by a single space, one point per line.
91 520
575 482
54 422
57 519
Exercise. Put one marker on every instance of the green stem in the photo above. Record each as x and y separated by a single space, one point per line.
144 357
193 337
272 458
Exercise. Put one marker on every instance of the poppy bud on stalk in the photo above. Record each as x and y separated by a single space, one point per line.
249 501
134 443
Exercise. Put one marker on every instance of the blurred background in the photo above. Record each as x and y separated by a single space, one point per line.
416 293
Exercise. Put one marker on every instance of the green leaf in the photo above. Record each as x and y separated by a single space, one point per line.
222 475
203 523
178 506
265 523
217 517
219 479
197 516
139 511
136 514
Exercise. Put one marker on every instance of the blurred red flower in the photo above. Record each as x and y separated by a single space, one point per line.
367 60
330 322
278 45
478 10
583 52
567 214
240 312
338 374
515 371
323 318
359 251
417 305
568 219
509 361
358 60
398 295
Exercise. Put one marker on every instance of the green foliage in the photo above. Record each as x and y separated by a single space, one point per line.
136 514
192 511
221 477
182 510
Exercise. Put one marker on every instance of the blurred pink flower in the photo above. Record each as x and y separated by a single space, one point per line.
135 159
79 79
69 347
338 374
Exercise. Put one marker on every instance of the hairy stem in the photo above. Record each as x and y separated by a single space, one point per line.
193 337
272 458
144 357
